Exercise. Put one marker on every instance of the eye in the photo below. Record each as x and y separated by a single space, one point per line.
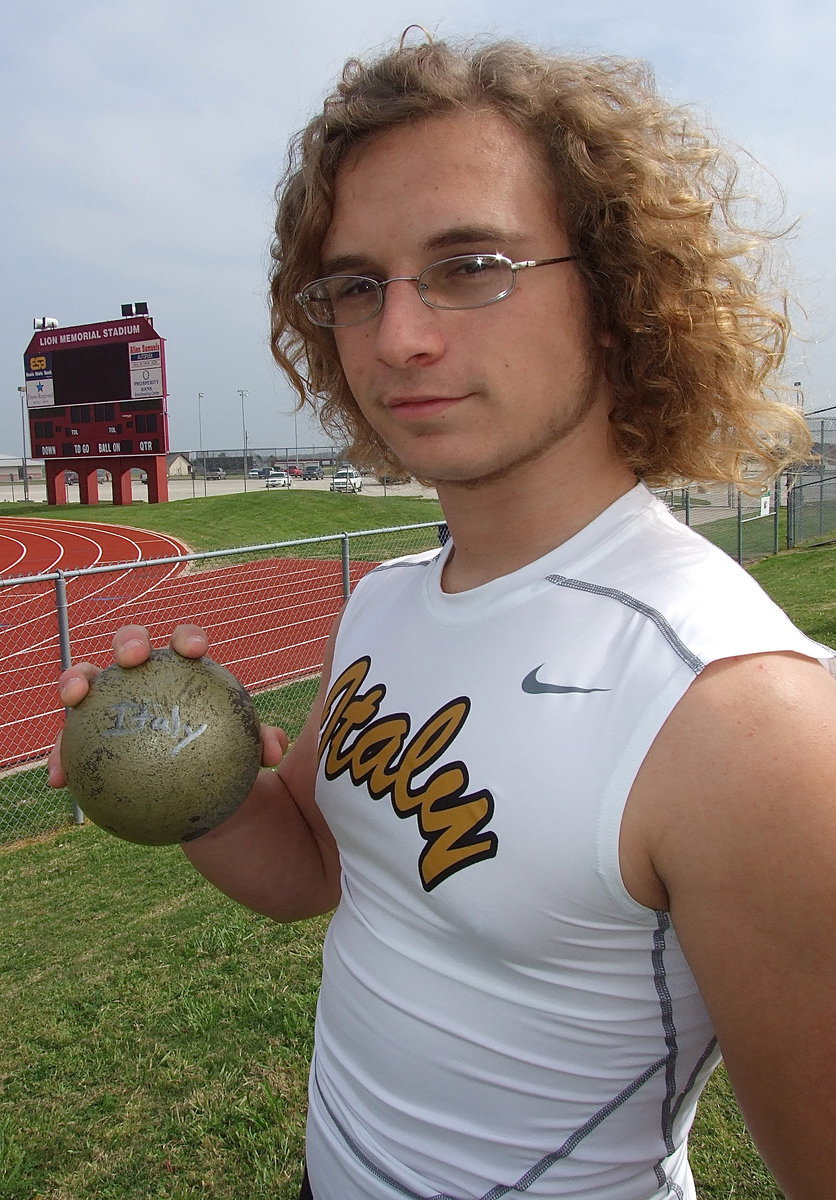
465 281
349 287
472 266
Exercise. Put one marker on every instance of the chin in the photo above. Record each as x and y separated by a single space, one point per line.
452 465
470 475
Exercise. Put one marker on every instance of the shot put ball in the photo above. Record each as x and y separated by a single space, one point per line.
162 752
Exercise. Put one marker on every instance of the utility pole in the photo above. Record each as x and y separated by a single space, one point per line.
22 394
200 439
243 393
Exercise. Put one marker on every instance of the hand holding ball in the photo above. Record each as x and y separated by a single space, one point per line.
162 752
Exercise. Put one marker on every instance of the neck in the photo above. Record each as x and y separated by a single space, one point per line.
502 524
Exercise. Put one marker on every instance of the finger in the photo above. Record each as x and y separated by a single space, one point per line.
190 641
74 683
273 745
131 645
56 776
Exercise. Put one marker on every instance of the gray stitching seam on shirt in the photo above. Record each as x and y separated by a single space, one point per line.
668 1025
668 1062
530 1176
692 1078
394 566
671 637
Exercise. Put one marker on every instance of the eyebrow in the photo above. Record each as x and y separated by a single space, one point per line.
446 239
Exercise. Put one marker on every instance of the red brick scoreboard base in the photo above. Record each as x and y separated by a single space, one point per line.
96 401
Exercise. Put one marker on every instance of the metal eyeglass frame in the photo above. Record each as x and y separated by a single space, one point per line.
380 284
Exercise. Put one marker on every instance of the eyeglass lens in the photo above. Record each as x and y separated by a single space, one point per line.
466 281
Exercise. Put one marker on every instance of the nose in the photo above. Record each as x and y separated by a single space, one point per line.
407 330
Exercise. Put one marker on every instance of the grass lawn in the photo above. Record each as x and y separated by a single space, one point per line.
156 1036
161 1033
803 582
248 518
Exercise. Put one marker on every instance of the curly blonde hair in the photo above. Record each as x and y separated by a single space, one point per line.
676 282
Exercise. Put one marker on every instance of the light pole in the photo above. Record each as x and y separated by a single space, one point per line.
243 393
200 439
22 394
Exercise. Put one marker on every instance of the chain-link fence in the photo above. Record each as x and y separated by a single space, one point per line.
811 509
796 511
267 611
748 526
811 505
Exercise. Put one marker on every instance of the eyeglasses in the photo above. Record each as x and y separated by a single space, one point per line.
466 281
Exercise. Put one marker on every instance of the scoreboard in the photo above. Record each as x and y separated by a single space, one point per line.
97 391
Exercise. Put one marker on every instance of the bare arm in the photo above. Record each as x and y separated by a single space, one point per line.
275 854
738 802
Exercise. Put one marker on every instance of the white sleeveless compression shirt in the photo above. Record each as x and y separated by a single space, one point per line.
497 1015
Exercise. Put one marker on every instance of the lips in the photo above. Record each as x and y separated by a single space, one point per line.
416 407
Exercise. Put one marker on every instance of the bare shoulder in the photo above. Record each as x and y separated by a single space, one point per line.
736 811
746 761
750 745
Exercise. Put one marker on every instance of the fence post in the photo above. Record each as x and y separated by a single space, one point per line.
777 502
794 504
63 614
345 563
739 526
687 497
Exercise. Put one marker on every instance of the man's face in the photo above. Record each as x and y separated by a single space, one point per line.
463 396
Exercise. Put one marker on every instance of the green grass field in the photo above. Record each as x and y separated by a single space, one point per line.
156 1036
248 518
803 582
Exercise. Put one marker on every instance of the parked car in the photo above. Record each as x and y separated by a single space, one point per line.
254 473
295 471
390 480
312 471
347 479
70 477
278 479
216 473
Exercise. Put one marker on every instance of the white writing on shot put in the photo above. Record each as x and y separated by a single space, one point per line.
131 717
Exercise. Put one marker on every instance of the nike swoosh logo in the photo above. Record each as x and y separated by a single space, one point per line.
535 686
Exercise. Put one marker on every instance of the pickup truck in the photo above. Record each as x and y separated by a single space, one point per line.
347 479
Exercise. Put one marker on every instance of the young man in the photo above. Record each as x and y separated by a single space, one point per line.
569 779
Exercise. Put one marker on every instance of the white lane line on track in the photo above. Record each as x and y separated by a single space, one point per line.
93 557
131 544
41 537
11 541
105 582
77 628
42 531
268 669
127 533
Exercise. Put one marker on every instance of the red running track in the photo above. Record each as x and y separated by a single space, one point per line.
267 619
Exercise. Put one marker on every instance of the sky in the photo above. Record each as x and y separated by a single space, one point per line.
141 145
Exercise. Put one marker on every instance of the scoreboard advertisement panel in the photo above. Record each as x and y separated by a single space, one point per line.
97 390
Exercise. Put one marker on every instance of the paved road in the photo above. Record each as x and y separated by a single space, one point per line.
715 509
181 489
